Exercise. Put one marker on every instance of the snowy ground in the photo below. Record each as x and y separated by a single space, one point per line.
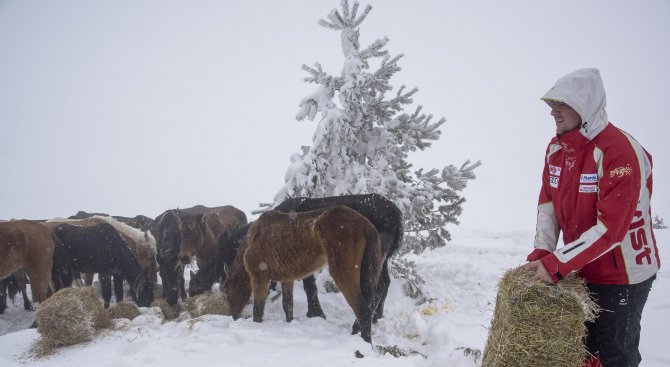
449 331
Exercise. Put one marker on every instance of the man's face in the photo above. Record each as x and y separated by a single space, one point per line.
565 116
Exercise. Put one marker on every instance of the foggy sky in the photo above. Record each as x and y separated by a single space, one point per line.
136 107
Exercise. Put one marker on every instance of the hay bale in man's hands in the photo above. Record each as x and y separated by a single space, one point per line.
123 310
538 324
70 316
207 303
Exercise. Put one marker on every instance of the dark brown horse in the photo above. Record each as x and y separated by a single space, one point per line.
101 249
381 212
140 242
30 246
289 247
186 234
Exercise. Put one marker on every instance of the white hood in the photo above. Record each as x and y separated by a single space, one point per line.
583 90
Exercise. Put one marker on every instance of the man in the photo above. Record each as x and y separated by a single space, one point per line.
596 188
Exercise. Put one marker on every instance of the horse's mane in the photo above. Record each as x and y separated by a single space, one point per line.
144 239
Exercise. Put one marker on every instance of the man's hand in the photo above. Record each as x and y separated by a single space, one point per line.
540 272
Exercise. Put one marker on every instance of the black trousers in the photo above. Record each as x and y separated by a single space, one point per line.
614 335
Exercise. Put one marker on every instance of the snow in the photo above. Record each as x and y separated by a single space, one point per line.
449 331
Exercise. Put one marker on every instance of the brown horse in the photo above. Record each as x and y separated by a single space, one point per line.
186 234
30 246
289 247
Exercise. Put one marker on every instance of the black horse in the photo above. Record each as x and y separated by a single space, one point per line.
101 249
381 212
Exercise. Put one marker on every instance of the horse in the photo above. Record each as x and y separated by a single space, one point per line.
382 213
30 246
141 243
186 234
101 249
227 247
288 247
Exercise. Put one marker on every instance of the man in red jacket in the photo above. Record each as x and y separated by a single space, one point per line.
596 189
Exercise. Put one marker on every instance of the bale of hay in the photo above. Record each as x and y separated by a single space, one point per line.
123 310
538 324
70 316
207 303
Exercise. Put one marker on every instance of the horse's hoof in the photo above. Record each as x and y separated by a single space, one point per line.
316 314
356 328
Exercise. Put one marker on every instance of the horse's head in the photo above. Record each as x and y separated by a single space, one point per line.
144 289
193 228
236 288
167 232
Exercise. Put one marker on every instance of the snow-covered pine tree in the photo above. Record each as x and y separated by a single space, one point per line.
363 139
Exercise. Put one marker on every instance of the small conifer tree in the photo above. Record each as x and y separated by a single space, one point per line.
363 140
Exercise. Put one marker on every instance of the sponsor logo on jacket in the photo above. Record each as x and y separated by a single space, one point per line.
621 171
553 181
588 178
554 170
588 188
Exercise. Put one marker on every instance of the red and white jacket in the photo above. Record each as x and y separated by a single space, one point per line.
596 189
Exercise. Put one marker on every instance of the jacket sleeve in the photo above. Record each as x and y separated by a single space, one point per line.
619 187
546 227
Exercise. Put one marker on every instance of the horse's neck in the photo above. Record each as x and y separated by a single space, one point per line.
126 263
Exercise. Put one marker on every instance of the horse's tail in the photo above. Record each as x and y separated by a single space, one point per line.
61 272
371 264
398 233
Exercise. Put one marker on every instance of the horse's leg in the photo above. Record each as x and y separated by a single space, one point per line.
313 306
40 276
260 286
118 288
20 276
287 300
3 295
349 283
88 278
105 287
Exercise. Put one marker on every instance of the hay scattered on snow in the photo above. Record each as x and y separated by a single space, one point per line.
123 310
70 316
538 324
207 303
